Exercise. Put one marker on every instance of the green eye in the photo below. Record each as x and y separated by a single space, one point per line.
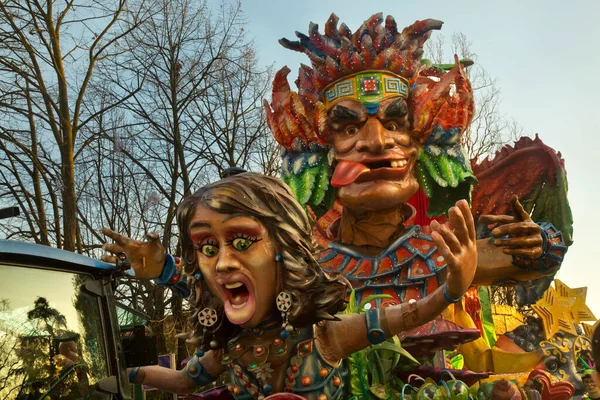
209 250
241 244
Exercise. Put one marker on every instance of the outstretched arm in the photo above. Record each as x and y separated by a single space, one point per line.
198 372
149 260
339 339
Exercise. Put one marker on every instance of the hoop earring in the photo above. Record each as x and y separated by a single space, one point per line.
283 301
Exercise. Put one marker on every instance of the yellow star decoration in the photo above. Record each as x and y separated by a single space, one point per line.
561 308
555 312
588 329
580 311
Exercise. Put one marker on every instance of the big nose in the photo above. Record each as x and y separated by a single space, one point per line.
227 262
374 138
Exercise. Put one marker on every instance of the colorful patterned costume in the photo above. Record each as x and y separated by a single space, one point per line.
308 374
360 66
410 268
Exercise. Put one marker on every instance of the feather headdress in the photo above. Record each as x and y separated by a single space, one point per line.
440 104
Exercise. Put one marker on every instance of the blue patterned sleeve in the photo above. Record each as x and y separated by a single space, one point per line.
173 278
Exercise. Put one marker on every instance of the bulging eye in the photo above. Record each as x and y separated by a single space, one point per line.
391 126
209 250
241 244
351 130
552 364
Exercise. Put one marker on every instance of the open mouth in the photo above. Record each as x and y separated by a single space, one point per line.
347 172
238 294
387 164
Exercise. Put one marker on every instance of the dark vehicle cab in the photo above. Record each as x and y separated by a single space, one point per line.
59 335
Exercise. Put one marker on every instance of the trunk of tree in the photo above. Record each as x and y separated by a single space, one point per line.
69 198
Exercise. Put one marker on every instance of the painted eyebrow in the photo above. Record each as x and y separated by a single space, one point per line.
397 109
343 114
199 224
232 216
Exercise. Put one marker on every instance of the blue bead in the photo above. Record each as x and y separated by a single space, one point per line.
284 334
198 276
267 388
278 257
199 353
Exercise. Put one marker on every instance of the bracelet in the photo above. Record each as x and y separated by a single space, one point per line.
196 372
171 272
447 296
375 332
553 252
133 373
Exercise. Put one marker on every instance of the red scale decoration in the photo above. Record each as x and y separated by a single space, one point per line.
410 268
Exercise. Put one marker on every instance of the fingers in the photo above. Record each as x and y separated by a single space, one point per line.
465 210
109 259
448 237
496 219
443 247
526 241
518 209
116 237
152 237
517 229
531 252
113 248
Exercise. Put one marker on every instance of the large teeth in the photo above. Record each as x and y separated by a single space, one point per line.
398 164
233 285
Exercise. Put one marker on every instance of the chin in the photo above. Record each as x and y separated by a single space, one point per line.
377 195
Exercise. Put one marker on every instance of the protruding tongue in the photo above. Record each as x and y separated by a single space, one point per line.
347 172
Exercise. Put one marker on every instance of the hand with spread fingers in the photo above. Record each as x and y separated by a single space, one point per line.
458 247
147 258
525 238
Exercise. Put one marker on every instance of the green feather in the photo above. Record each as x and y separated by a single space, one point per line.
445 168
425 180
552 205
445 180
292 182
459 170
306 183
321 181
432 169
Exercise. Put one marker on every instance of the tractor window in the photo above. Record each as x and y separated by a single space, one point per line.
51 336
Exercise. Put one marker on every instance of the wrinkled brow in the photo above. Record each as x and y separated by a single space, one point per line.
397 109
344 114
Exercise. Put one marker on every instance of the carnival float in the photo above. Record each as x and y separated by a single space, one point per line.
372 152
328 171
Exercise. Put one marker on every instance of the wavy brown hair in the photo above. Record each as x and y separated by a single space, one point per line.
316 294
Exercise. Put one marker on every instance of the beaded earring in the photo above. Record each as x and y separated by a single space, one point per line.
208 316
284 302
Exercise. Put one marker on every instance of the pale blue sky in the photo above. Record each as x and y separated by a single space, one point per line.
545 56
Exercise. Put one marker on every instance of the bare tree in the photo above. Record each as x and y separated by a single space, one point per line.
193 89
12 370
490 129
229 116
48 52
